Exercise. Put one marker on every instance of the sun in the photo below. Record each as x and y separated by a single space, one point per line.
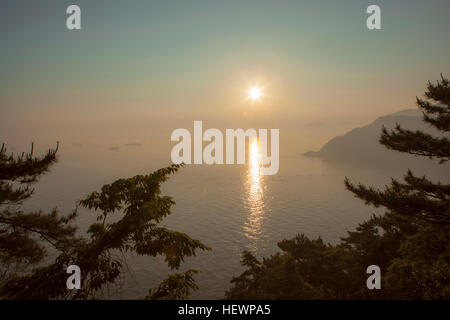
254 93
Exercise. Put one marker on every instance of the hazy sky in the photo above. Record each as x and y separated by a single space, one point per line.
151 64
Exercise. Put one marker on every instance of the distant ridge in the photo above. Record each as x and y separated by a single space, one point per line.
361 144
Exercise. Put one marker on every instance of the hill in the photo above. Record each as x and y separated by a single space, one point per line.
361 144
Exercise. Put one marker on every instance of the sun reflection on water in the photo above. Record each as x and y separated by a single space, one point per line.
253 227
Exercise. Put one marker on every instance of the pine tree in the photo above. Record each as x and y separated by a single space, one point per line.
26 236
418 215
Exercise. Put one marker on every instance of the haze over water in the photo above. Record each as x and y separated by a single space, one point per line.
229 208
113 92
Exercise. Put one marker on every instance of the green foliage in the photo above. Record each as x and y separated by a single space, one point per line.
421 269
417 198
299 272
140 206
176 287
410 242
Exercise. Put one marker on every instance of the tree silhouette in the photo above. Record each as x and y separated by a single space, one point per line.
25 236
141 207
418 209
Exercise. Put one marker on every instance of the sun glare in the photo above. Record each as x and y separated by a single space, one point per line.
254 93
255 158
